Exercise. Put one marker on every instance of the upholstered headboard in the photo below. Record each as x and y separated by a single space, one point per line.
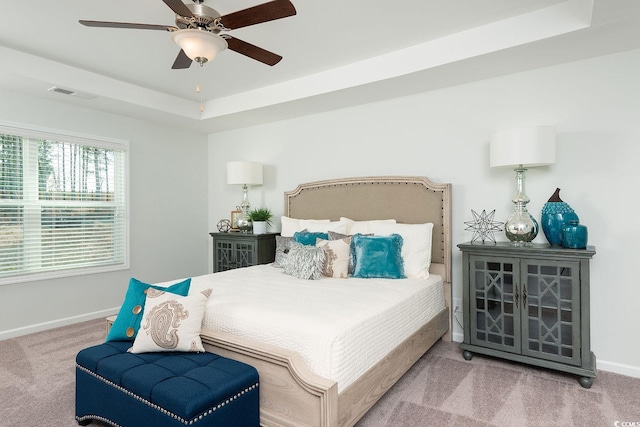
410 200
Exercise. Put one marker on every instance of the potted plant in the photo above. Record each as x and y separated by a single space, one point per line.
260 217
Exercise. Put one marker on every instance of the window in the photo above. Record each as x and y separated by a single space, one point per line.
63 205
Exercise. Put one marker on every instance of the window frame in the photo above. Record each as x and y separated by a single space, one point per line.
40 133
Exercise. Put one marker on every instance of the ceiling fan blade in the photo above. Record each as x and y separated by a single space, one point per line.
178 7
252 51
125 25
270 11
182 61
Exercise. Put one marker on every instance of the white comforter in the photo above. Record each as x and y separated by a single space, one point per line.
340 327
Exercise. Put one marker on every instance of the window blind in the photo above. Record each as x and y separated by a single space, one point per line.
63 205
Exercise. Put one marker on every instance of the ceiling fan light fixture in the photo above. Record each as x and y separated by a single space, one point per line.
199 45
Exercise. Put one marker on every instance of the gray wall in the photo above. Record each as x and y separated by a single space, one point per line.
168 215
444 135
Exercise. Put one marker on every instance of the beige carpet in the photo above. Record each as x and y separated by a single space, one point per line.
37 374
443 389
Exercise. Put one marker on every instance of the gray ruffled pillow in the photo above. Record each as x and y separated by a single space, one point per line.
283 246
305 262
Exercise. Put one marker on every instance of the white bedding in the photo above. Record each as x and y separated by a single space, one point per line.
340 327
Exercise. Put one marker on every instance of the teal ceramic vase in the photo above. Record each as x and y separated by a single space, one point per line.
574 235
555 215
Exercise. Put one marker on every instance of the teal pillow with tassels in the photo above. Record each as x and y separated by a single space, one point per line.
378 256
126 325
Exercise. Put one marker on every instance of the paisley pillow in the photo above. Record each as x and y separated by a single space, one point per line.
171 322
337 254
126 325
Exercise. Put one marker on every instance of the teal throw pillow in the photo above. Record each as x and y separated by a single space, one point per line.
126 325
308 238
378 256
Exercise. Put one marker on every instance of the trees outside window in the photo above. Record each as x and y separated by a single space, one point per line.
62 205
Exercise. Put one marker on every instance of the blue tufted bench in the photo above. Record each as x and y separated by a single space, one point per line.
164 389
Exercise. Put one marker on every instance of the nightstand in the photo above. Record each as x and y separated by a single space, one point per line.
529 304
236 249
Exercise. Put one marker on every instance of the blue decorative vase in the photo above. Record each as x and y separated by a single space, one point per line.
574 235
555 215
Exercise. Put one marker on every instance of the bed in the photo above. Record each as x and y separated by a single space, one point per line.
292 393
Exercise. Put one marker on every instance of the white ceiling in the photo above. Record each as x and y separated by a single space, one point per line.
336 53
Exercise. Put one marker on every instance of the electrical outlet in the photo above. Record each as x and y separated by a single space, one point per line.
457 305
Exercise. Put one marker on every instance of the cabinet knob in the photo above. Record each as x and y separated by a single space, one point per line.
517 295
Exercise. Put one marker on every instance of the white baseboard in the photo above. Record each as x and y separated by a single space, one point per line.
457 337
38 327
618 368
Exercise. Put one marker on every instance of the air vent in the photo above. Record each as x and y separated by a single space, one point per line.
71 92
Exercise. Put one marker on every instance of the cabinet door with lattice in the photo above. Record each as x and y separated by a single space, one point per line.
551 310
495 301
223 258
244 253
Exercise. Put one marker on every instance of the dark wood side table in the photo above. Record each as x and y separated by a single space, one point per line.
237 249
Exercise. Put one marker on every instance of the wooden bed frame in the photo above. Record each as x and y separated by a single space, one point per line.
292 395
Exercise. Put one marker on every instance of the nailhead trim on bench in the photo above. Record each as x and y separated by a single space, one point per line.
99 418
161 409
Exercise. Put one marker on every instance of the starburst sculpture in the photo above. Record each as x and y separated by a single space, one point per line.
483 226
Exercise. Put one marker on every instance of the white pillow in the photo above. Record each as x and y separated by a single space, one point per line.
291 225
325 227
337 254
171 322
363 227
416 245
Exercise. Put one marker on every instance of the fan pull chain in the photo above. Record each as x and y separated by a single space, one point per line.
201 103
198 89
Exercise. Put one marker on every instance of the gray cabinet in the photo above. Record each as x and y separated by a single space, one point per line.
236 249
529 304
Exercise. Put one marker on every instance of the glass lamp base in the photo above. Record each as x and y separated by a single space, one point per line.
521 228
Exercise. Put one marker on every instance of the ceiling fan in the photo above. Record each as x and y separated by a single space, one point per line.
200 31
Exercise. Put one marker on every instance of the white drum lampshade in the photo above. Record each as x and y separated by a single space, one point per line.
525 147
249 173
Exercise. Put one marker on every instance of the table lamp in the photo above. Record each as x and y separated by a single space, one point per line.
522 148
245 174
